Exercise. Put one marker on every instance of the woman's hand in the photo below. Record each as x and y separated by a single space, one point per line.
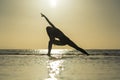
42 15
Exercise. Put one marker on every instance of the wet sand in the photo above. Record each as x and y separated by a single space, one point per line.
61 67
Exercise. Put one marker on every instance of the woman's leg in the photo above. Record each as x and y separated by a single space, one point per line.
72 44
58 42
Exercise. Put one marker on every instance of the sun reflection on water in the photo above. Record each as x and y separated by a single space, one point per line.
54 69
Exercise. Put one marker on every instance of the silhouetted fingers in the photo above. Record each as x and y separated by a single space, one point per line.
42 15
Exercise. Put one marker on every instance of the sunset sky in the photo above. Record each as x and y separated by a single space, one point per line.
91 24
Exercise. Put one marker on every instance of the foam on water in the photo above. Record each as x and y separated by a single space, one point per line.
111 52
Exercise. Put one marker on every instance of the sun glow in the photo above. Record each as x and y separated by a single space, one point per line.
53 3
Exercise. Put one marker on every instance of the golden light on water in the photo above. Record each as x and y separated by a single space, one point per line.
54 68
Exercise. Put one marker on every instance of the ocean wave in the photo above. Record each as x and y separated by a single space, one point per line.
109 52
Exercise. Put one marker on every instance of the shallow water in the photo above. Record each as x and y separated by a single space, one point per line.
59 67
100 65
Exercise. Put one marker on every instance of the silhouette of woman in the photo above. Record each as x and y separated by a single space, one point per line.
57 37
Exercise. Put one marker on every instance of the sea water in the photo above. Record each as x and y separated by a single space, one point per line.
19 64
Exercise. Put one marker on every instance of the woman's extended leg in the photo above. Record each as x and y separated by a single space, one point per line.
72 44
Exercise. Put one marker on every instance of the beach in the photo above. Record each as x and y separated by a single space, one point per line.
59 67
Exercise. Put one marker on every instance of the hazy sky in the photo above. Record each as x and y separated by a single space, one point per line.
92 24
